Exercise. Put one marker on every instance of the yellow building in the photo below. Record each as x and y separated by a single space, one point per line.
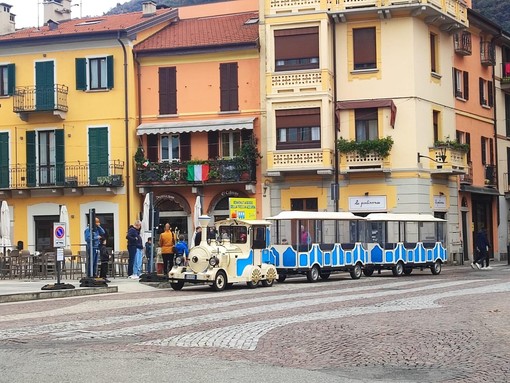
68 121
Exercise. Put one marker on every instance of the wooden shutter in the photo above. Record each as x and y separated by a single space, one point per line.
466 85
365 56
229 87
59 157
11 79
109 72
31 152
480 89
81 74
167 90
490 96
4 160
153 148
185 146
213 138
98 154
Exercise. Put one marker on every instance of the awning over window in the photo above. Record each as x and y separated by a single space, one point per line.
478 190
194 126
375 103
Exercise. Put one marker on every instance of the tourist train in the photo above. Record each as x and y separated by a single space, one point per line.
314 244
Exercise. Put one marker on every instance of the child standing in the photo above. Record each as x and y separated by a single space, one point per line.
148 254
181 248
104 258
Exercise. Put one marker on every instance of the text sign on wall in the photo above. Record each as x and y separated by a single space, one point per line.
243 208
367 203
440 202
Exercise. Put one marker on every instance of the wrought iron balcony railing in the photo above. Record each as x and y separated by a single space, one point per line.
467 178
68 174
490 175
193 172
462 43
40 98
487 53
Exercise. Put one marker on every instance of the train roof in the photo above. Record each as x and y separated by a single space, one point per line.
235 221
403 217
295 214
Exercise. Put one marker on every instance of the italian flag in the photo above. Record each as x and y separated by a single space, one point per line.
198 172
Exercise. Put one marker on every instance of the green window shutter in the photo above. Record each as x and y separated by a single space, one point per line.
4 160
98 154
109 71
11 79
59 157
81 74
31 165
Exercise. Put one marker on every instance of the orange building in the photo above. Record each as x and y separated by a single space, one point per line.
199 124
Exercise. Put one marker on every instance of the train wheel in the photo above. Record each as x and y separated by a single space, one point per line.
356 271
325 276
177 285
436 267
252 284
408 270
398 269
313 274
270 277
282 278
267 282
220 281
368 271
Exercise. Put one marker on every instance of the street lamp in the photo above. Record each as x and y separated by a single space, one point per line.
442 156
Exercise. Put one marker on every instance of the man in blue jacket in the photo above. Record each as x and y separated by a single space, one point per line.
97 234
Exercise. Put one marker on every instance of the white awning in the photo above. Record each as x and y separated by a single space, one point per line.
194 126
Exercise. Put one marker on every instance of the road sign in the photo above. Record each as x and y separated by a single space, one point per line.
59 234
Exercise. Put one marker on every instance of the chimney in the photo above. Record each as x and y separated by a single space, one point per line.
6 19
57 10
149 8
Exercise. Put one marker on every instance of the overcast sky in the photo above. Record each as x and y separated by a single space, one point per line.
27 11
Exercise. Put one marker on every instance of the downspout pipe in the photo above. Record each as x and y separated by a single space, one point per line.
336 156
495 124
126 130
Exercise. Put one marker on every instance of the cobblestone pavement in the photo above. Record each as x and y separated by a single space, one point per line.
454 327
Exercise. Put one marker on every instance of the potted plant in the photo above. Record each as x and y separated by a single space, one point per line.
246 159
380 147
452 144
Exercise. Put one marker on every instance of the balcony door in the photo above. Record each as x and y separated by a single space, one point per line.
45 158
4 160
98 154
44 85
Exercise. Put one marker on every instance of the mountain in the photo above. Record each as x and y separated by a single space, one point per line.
495 10
136 5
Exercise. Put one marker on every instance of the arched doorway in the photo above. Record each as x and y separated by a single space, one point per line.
175 210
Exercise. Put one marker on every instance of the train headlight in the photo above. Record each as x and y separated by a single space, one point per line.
213 261
179 260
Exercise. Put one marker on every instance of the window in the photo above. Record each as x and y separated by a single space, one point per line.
461 84
296 49
435 124
366 124
483 146
167 91
298 129
229 92
7 80
507 114
230 144
170 148
364 46
464 138
94 73
45 157
434 68
486 96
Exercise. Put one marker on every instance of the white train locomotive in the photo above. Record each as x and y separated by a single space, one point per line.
239 252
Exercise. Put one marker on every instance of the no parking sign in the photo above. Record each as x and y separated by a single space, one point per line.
59 234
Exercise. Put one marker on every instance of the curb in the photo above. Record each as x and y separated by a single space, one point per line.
30 296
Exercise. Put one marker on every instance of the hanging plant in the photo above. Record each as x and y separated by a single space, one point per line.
381 147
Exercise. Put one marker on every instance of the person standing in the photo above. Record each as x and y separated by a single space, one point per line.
167 243
305 239
482 250
181 248
134 244
104 258
148 254
198 236
95 235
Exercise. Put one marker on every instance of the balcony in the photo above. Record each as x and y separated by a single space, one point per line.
317 160
192 173
372 162
462 43
490 176
67 175
456 161
467 178
448 14
505 75
312 80
33 99
487 53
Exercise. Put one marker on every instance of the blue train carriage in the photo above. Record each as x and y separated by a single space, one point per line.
317 244
239 253
403 242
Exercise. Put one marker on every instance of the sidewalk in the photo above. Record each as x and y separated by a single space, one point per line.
17 290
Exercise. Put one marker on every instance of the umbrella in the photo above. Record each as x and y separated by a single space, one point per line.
5 225
145 230
64 218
